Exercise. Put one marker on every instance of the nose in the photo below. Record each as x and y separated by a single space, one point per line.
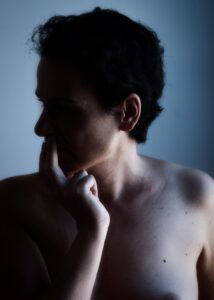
43 126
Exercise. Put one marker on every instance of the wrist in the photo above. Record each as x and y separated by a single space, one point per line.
97 231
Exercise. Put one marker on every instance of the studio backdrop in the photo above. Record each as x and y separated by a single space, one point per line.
182 134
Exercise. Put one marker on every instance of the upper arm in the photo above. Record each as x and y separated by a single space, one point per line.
206 260
23 272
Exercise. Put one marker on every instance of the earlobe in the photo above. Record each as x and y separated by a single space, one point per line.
127 124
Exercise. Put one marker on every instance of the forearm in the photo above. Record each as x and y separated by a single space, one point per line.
78 272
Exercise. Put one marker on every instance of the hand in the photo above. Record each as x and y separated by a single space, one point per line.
78 194
80 197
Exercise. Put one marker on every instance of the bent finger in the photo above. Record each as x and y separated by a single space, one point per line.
87 186
72 182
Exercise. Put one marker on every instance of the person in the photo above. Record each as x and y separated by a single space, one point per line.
98 220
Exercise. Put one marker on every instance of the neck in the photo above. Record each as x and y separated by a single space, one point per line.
118 172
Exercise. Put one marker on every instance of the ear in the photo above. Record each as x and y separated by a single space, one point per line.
128 112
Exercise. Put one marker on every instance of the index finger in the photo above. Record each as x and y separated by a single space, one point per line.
49 163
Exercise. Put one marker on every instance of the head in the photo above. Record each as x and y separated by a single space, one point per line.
111 62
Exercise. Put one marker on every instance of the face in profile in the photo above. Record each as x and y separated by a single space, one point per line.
85 134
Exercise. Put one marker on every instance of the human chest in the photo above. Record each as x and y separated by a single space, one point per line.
144 260
150 252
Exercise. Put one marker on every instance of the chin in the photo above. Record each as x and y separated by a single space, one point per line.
69 171
69 166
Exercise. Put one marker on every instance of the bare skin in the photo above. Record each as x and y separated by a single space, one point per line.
159 244
25 274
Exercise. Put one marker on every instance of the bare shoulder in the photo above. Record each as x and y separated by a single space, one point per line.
197 189
14 183
17 186
15 190
25 201
194 185
26 196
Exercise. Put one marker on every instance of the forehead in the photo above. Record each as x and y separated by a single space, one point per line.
55 78
50 68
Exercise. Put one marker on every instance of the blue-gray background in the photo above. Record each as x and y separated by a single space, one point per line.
182 134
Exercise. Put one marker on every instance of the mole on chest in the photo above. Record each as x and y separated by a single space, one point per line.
142 269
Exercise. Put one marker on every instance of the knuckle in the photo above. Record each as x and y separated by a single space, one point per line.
87 180
79 190
91 177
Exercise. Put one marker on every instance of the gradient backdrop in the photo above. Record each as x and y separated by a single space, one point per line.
182 134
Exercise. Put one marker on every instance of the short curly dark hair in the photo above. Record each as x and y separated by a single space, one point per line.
118 55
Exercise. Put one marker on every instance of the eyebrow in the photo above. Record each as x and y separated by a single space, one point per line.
61 100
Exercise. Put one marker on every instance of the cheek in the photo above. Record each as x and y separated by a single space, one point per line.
98 137
69 127
87 137
87 147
